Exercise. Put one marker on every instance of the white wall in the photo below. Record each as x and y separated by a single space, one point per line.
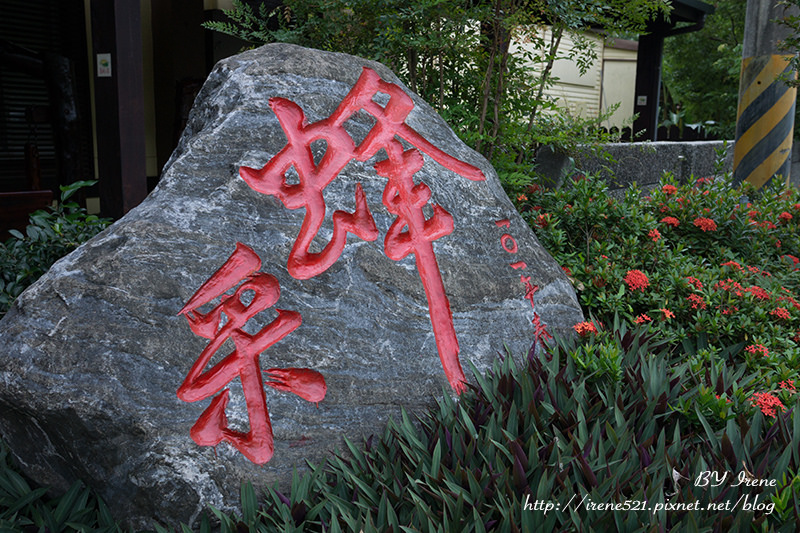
611 78
619 82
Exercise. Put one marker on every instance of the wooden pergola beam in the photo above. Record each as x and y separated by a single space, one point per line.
119 106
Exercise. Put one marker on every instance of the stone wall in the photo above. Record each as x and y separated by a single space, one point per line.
646 162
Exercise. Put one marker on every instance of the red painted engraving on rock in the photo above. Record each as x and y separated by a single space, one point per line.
243 362
539 328
509 244
410 233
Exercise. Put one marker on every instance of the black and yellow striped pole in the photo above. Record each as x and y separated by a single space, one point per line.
765 117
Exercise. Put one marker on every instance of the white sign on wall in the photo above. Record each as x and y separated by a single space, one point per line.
103 65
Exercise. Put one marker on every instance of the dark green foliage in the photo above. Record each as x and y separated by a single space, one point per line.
25 508
719 264
50 235
791 45
701 71
491 92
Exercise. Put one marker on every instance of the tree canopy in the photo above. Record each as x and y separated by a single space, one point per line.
459 56
701 71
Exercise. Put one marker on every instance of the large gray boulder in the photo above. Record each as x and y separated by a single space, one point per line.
93 354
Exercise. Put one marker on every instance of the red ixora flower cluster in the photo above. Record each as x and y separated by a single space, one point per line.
781 312
757 348
788 385
785 216
696 283
730 286
758 292
767 403
654 234
666 314
585 328
705 224
636 280
697 301
671 221
764 224
643 318
733 264
669 189
543 220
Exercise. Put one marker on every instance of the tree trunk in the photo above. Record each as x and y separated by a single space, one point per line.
556 33
441 66
412 69
412 58
499 91
487 79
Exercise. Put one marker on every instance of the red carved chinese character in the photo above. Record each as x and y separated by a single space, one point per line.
271 179
212 426
411 232
539 329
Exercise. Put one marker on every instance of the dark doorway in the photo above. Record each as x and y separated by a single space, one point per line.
45 115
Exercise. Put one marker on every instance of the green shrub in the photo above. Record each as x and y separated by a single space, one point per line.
697 263
50 235
496 96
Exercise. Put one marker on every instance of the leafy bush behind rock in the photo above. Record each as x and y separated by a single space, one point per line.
50 235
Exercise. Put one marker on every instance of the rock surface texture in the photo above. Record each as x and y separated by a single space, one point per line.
92 355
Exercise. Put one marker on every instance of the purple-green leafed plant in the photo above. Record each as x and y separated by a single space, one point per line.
551 430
